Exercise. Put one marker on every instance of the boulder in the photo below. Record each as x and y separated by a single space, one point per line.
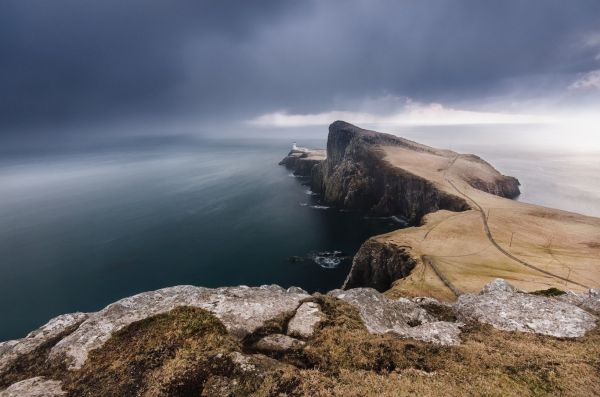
401 317
34 387
307 317
241 309
502 306
11 351
589 301
278 343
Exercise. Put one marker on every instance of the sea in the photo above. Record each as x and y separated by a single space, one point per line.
81 228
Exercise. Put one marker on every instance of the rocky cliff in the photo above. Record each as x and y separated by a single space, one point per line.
356 341
268 341
356 176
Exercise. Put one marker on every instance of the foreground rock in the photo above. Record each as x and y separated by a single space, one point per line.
502 306
307 317
278 343
34 387
241 309
11 351
402 317
589 301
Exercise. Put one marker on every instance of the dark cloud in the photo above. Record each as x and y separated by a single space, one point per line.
87 62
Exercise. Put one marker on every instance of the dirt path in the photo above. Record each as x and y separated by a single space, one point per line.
491 237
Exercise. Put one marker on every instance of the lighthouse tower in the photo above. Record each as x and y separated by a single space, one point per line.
294 147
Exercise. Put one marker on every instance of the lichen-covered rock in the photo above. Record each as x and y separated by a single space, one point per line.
400 317
499 285
589 301
278 343
307 317
34 387
241 309
440 332
10 351
500 305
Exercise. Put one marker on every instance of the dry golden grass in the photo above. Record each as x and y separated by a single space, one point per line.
559 242
188 353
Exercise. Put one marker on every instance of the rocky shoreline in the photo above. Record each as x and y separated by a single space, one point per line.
267 340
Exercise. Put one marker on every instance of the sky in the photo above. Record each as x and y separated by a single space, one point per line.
84 69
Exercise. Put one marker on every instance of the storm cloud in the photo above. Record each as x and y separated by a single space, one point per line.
91 63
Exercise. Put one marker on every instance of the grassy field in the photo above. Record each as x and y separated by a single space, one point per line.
531 246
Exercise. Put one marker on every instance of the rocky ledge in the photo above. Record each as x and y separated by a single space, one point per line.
262 327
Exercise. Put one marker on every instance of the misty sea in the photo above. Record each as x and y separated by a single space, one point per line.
80 229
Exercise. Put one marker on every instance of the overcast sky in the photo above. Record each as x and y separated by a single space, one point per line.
112 66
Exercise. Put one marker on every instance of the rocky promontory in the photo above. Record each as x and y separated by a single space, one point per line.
481 295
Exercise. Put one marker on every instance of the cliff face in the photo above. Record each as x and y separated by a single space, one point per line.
377 265
355 176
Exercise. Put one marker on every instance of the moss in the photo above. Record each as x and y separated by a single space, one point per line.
549 292
168 354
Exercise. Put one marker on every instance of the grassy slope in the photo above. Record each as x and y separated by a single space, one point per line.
559 242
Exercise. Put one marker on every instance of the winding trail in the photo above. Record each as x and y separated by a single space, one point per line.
491 237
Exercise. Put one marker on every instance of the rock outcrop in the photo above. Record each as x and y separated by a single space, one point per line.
53 330
241 309
502 306
378 264
304 322
34 387
278 343
402 317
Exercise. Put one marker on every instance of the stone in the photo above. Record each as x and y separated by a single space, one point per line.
400 317
500 305
439 332
296 290
499 285
241 309
34 387
277 343
11 351
589 301
304 322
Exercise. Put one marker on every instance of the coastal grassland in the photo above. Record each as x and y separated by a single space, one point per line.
561 249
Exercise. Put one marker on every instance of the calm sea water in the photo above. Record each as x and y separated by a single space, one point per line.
82 229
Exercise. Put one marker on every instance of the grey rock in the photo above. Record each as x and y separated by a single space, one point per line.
499 285
401 317
34 387
307 317
439 332
278 343
241 309
589 301
296 290
10 351
501 306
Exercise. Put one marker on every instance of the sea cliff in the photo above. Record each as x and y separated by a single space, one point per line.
425 309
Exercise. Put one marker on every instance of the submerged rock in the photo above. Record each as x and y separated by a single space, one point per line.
34 387
304 322
500 305
241 309
401 317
